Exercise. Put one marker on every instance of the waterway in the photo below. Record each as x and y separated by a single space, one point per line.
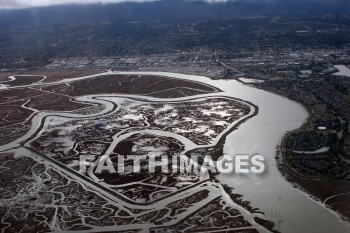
292 210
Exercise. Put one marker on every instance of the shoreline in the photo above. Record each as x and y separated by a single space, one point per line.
295 178
311 186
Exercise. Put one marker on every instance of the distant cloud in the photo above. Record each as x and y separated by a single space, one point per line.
14 4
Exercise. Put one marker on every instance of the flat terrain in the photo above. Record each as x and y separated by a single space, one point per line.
51 75
23 102
130 84
108 116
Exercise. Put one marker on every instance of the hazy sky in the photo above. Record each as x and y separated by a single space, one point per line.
10 4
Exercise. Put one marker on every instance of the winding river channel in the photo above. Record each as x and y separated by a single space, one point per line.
293 210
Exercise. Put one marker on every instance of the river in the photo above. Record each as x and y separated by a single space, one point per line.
293 210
